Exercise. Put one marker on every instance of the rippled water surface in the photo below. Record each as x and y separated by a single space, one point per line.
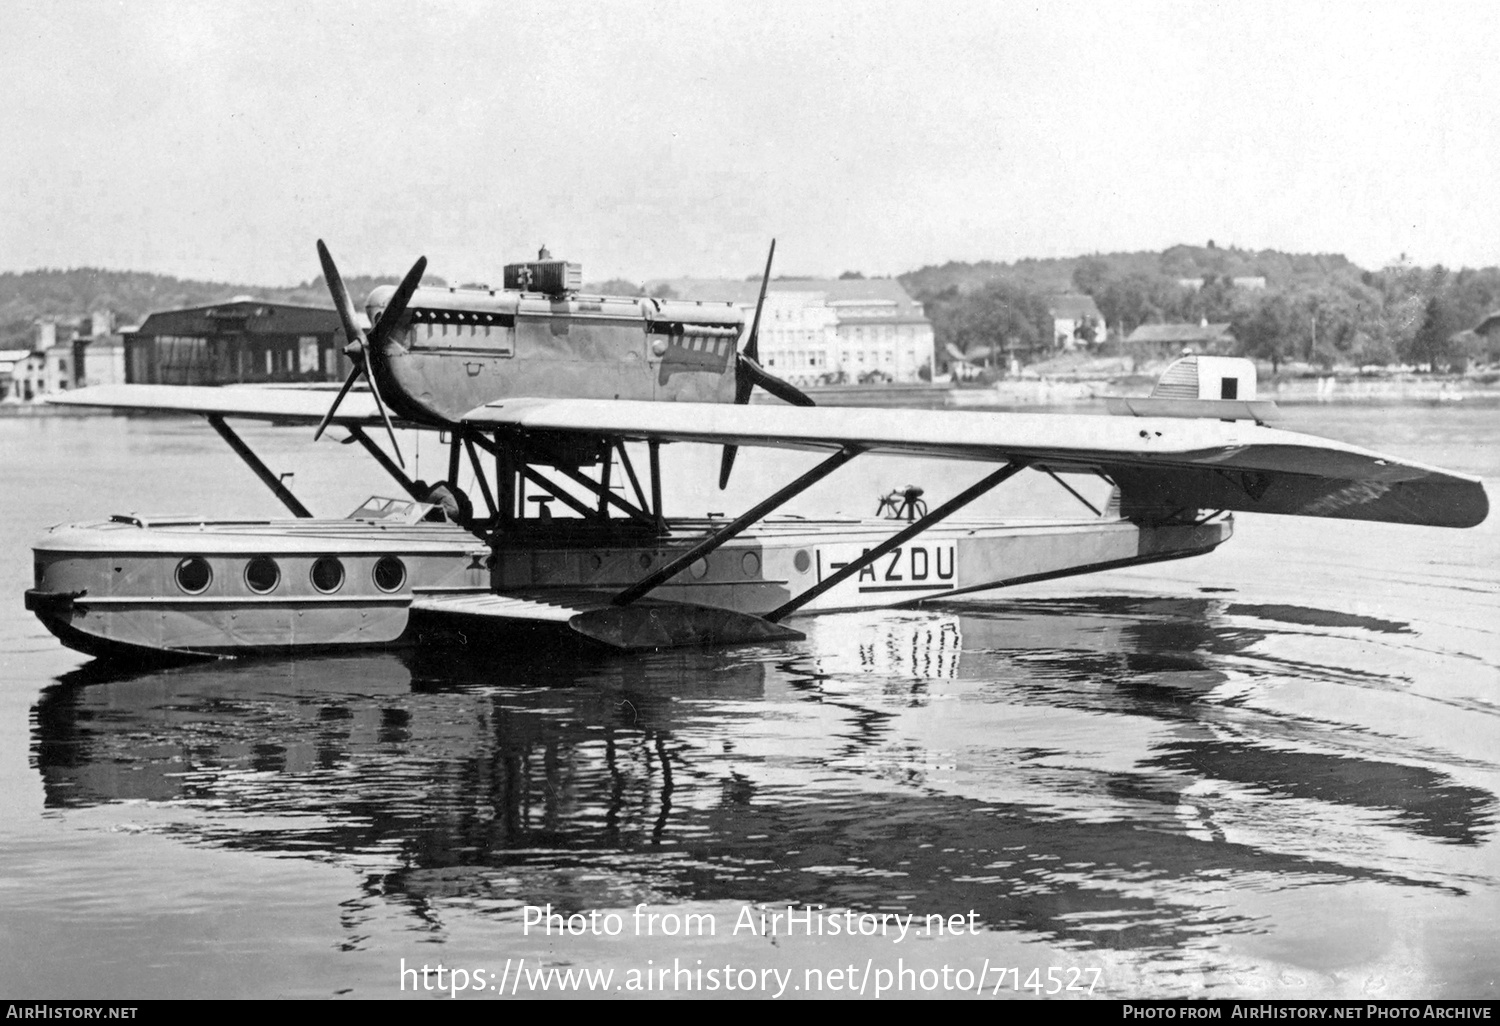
1270 771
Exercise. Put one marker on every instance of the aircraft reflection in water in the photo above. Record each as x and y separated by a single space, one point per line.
1088 777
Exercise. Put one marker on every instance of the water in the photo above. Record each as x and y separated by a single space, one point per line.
1268 772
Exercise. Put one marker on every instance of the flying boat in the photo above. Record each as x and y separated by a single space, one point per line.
540 392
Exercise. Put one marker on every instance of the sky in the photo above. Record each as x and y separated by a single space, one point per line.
664 139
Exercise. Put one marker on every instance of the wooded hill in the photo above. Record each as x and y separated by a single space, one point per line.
29 296
1320 309
1061 274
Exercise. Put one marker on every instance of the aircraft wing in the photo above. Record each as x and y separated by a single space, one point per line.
1163 465
255 402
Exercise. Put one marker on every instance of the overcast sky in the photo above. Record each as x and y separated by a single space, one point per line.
654 139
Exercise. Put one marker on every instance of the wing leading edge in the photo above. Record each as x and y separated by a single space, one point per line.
251 401
1162 465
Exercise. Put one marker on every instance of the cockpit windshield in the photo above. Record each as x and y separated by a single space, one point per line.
401 511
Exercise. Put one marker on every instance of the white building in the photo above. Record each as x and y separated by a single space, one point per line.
815 331
101 360
13 373
1072 314
62 360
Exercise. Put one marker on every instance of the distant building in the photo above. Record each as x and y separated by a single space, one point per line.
243 340
58 364
1487 349
1170 339
1072 318
13 374
45 368
817 331
100 360
66 353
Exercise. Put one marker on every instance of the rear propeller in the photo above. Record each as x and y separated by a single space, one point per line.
748 373
358 349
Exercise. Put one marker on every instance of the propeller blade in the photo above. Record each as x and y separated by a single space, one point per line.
748 374
752 344
328 417
742 382
390 318
380 405
341 303
358 349
783 390
352 333
726 464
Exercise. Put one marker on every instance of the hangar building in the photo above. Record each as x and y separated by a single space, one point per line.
243 340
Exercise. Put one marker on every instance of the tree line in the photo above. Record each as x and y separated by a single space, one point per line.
1317 309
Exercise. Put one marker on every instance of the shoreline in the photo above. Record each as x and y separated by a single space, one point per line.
1032 393
1067 392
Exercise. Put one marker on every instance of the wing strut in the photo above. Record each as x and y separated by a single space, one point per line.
389 465
640 496
736 526
1072 491
954 504
484 485
262 471
598 488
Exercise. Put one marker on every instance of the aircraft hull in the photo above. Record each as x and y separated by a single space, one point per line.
120 589
782 557
113 588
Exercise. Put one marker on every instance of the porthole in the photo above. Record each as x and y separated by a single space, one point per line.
390 573
750 563
801 561
328 574
262 575
699 568
194 575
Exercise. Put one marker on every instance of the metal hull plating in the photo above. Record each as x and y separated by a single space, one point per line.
115 588
760 570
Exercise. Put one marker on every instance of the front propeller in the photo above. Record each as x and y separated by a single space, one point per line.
359 347
748 373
